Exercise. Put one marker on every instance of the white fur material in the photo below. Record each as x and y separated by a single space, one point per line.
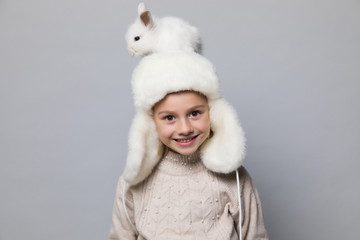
159 74
225 151
143 144
161 35
156 76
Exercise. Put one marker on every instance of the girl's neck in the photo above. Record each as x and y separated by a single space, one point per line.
177 164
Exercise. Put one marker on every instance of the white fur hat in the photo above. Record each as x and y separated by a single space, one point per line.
160 74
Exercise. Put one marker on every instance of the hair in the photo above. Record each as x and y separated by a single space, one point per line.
181 91
163 149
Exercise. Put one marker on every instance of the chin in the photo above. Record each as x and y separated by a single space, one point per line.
185 150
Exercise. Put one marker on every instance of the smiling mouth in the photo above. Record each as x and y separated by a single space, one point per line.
185 140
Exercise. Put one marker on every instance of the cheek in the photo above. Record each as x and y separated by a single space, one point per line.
163 130
207 129
206 125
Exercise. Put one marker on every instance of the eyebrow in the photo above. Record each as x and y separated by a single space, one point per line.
189 110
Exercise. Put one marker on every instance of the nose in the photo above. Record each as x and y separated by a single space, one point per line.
131 51
185 127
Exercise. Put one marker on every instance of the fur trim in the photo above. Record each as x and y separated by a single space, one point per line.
163 73
143 143
225 151
160 74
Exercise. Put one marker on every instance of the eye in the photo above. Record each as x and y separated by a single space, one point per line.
137 38
194 114
169 118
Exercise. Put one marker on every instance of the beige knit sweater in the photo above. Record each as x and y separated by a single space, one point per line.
181 199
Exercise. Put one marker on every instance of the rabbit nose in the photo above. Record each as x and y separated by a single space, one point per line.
131 51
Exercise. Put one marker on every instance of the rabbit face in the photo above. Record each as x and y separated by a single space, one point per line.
140 35
139 40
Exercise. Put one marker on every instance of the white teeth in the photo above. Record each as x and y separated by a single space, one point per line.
184 140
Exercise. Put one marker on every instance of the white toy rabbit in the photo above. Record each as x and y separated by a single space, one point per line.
149 34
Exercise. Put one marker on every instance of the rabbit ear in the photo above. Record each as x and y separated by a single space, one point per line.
141 8
145 15
146 19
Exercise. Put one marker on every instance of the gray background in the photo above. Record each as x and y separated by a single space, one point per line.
291 69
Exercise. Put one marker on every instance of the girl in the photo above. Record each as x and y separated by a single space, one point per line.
183 177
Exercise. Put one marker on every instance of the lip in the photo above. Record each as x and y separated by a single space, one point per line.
184 142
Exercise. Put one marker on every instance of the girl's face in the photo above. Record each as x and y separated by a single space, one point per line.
182 121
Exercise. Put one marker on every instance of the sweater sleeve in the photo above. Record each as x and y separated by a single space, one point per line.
121 228
253 227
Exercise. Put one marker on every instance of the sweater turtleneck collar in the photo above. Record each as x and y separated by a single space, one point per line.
177 164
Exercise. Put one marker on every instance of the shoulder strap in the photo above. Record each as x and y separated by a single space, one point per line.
239 199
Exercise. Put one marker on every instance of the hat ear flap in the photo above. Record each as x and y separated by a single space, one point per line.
225 151
143 142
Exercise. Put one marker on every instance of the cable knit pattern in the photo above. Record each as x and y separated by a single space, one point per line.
181 200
